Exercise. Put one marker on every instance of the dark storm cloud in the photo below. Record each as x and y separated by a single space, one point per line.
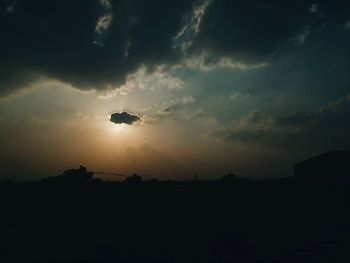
76 42
334 116
254 31
324 129
124 117
94 44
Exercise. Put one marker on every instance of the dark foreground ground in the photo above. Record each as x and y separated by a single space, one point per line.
240 221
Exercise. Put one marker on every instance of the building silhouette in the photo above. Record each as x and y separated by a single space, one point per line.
329 165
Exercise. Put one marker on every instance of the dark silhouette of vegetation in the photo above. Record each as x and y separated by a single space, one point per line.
74 217
80 175
134 179
229 177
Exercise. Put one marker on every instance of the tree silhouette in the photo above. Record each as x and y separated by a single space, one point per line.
229 177
135 178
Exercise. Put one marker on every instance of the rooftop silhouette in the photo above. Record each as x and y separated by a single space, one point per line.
330 165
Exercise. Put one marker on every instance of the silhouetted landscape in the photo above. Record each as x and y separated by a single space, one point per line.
174 131
74 217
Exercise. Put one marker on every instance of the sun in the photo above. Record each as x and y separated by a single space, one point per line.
119 128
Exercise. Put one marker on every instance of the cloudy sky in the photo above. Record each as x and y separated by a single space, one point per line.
172 88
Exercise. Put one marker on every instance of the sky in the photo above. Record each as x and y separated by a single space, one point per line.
170 89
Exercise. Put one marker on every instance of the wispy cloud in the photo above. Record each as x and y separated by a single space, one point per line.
103 23
143 80
207 62
191 28
301 38
314 8
347 25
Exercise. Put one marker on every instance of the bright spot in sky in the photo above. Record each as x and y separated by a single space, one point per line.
119 127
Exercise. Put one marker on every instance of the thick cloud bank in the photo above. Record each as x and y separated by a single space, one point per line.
97 43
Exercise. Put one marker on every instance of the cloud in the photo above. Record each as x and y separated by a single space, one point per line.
98 44
207 62
196 114
11 8
183 40
301 38
256 30
314 8
106 4
103 23
176 104
124 117
88 44
347 25
238 96
102 26
324 129
158 79
170 109
333 116
143 80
